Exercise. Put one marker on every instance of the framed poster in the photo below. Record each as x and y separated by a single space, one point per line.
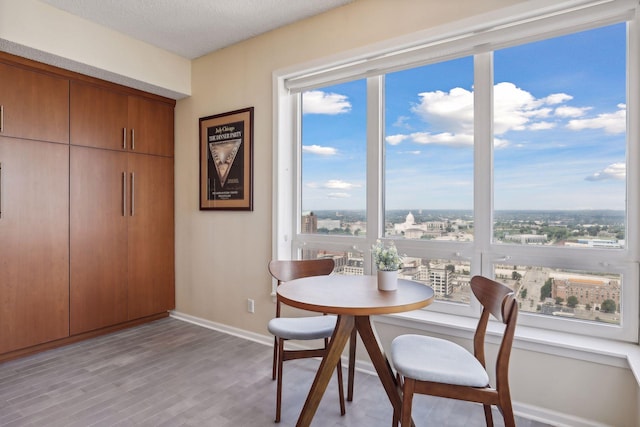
226 161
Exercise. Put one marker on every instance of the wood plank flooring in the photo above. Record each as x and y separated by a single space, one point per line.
173 373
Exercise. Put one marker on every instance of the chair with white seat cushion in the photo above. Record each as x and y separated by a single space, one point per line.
437 367
302 328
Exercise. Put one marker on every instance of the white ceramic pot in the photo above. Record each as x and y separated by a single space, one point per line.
387 280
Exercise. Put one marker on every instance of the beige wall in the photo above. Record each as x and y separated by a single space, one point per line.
221 257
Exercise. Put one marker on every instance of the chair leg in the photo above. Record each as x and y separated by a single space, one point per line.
340 388
488 416
279 377
396 413
407 401
352 364
396 417
275 357
507 412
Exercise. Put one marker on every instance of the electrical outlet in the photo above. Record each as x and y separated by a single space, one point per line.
250 306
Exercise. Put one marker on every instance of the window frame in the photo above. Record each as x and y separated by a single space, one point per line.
506 27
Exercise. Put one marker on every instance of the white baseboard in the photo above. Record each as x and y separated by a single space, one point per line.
251 336
547 416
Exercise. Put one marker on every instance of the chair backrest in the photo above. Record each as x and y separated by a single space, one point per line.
493 297
498 300
283 271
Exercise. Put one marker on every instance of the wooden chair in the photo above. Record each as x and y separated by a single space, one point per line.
438 367
304 328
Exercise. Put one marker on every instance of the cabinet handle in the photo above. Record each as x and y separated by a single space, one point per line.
124 194
124 138
133 193
1 118
133 140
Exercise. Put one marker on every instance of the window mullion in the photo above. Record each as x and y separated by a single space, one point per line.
483 160
375 164
633 137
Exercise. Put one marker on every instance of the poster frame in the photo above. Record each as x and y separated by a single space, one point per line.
226 177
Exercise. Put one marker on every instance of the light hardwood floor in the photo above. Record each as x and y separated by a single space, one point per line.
173 373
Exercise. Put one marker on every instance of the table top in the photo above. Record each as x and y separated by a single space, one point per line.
353 295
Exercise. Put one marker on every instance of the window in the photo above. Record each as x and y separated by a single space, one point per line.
560 141
334 169
506 150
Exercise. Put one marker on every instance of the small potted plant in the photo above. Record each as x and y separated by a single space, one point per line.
387 262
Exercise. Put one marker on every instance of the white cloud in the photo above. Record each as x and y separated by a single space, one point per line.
556 98
452 111
500 143
609 122
320 150
542 126
396 139
402 122
566 111
450 116
319 102
339 195
538 113
339 184
515 108
614 171
444 138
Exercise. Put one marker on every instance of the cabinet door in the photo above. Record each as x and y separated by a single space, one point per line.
34 232
33 105
151 126
151 236
98 117
98 238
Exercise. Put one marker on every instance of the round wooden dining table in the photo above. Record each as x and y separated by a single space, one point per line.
354 299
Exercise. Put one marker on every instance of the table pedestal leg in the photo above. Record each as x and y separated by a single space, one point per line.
338 341
380 362
352 364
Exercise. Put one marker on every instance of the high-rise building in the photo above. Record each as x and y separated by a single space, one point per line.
440 280
309 224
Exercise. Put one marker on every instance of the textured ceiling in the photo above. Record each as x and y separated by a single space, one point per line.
192 28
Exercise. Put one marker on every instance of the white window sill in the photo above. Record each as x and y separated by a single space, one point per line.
597 350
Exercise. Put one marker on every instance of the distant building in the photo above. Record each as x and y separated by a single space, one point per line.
347 263
526 239
309 224
354 266
597 243
588 291
330 224
440 280
411 230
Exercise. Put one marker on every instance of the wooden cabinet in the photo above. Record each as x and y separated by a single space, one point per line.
151 126
98 117
33 105
104 118
122 234
34 236
98 238
151 236
86 206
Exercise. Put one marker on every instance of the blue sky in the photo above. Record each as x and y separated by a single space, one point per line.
559 131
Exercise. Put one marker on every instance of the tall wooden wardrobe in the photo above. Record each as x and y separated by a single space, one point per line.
86 206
